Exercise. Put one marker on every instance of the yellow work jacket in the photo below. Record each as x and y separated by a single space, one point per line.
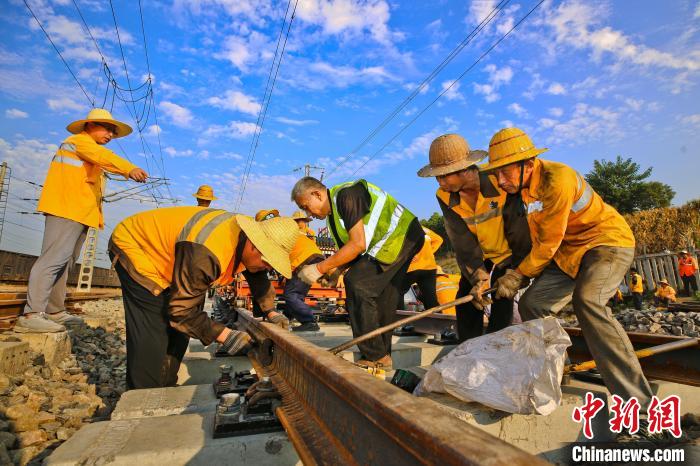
567 218
636 285
666 292
74 184
309 231
446 287
425 259
485 222
148 240
304 248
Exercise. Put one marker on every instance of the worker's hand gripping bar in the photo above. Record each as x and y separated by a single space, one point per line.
407 320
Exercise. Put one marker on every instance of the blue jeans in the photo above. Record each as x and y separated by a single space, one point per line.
295 292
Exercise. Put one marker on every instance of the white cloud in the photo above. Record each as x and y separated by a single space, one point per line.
556 89
65 105
453 92
497 78
172 152
517 109
349 17
14 113
634 104
245 51
236 100
586 124
178 115
556 111
153 130
234 129
690 120
292 122
548 122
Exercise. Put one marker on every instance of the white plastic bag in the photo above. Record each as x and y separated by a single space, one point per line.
517 369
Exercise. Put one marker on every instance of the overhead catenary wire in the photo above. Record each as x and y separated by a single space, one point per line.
456 51
447 89
266 100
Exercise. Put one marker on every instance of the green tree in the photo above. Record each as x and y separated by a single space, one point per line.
436 222
621 183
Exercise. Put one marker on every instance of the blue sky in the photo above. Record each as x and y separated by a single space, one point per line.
589 80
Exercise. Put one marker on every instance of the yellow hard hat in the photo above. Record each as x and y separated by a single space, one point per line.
205 192
301 215
510 145
266 214
450 153
100 115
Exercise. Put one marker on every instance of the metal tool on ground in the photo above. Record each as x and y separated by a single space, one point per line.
238 414
402 322
643 353
239 382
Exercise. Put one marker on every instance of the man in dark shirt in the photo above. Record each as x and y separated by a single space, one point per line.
377 238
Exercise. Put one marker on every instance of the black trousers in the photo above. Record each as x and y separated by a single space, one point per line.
154 350
637 299
374 291
470 320
426 281
689 283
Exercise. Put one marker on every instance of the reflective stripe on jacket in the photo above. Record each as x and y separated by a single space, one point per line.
687 267
485 222
74 185
425 259
567 218
446 287
148 241
385 225
636 285
304 248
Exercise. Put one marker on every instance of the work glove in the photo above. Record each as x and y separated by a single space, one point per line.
237 342
278 319
309 274
509 284
331 280
481 280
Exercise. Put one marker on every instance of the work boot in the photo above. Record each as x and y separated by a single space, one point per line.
384 362
307 327
37 323
65 318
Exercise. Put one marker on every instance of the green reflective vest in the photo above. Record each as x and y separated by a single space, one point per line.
386 223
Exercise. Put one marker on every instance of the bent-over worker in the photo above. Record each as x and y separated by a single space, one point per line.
423 270
665 294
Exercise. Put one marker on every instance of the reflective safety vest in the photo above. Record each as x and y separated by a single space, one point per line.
687 267
485 222
385 225
636 285
74 183
147 240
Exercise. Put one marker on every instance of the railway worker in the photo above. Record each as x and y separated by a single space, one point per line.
71 201
687 268
166 260
204 196
423 270
377 238
473 209
303 222
665 294
581 250
636 288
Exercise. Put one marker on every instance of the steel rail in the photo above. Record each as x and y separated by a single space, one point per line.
336 413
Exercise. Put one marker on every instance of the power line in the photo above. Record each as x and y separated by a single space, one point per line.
493 46
266 104
92 101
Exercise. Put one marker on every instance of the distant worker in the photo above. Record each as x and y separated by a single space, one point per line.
71 201
204 195
304 252
377 238
581 250
636 288
446 287
665 294
303 222
473 210
166 260
688 268
423 270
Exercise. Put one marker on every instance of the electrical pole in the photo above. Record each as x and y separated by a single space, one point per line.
4 191
307 170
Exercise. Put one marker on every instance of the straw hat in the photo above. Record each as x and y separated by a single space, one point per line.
684 251
450 153
301 215
510 145
274 238
100 115
205 192
263 214
664 281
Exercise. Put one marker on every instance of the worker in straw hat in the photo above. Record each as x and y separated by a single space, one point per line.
71 201
204 195
473 209
303 222
377 237
166 260
664 294
581 250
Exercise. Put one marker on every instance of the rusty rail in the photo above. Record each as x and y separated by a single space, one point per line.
336 413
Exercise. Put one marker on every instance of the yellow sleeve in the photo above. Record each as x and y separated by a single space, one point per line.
435 239
549 223
89 151
658 292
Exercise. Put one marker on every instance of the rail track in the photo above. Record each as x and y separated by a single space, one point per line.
12 303
336 413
